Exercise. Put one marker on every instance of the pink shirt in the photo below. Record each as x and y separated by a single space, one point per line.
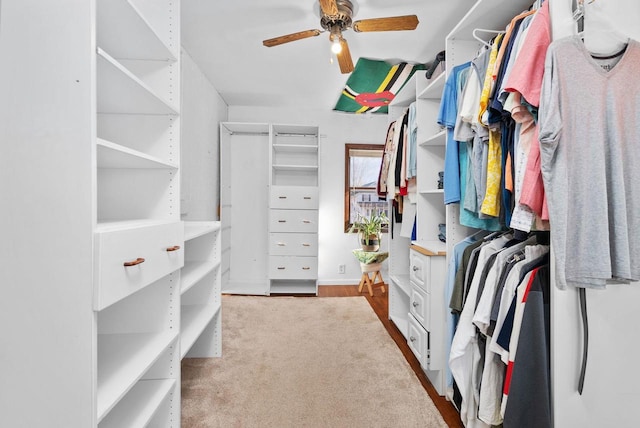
526 78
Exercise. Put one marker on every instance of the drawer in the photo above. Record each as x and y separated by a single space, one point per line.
113 280
419 270
420 306
285 267
293 244
293 221
294 197
418 340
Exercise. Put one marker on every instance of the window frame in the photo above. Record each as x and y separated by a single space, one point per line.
347 178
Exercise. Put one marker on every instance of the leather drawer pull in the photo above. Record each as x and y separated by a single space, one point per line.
281 268
281 244
306 245
307 197
174 248
282 221
306 221
306 268
282 197
135 262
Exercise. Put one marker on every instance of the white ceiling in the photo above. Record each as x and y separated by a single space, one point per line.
224 37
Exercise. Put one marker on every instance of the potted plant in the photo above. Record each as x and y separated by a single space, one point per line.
369 229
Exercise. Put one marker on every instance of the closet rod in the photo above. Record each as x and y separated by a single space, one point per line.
247 133
280 134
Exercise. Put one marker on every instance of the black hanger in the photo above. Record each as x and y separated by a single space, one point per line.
615 55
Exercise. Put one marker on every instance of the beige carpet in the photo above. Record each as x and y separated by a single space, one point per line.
304 362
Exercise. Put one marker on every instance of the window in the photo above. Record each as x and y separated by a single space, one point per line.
362 167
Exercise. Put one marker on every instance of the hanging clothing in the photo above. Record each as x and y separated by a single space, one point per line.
464 359
500 277
529 378
387 157
526 79
412 137
447 118
590 152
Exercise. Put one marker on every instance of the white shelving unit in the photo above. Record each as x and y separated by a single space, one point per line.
137 212
284 260
430 208
460 45
200 291
293 210
105 142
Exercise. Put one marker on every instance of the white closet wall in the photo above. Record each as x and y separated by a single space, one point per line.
202 109
47 183
610 396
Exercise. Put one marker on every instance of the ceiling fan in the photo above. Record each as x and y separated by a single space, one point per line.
336 16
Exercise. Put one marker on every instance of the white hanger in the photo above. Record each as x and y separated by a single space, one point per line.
478 38
599 34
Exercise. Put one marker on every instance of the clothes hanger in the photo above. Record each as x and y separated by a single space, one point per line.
480 234
602 30
481 40
615 55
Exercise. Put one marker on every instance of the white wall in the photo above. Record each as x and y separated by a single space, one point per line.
611 395
336 129
201 110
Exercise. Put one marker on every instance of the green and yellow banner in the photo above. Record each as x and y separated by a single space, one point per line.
373 84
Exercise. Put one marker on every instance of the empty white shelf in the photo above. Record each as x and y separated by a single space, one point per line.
120 91
112 155
194 229
295 148
140 404
295 167
194 271
403 282
193 320
434 90
439 139
126 34
122 360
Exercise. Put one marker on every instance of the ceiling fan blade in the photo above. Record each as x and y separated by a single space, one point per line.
394 23
329 7
344 58
290 38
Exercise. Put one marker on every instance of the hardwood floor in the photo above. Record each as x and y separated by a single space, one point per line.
379 303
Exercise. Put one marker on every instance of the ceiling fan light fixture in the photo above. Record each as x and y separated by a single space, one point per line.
335 37
336 46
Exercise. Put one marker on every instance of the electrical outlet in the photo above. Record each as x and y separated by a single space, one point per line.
342 268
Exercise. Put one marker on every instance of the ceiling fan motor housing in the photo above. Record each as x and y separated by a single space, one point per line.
340 22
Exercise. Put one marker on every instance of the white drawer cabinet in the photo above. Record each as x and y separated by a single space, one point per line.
419 270
300 244
289 267
127 260
420 302
426 310
294 221
418 340
294 197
